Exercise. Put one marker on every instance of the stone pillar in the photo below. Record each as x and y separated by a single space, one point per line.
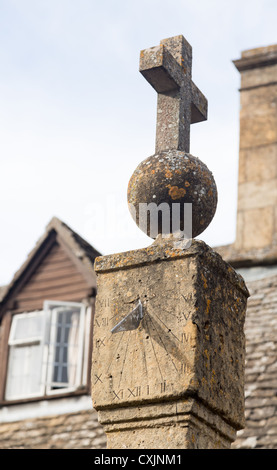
257 192
177 381
168 346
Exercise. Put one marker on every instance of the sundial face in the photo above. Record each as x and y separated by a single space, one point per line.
143 338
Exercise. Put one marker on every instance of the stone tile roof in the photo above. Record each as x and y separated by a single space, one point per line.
261 367
69 431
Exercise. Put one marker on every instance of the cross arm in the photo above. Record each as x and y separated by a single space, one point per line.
160 69
199 105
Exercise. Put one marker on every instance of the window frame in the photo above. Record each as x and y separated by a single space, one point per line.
48 382
81 385
31 340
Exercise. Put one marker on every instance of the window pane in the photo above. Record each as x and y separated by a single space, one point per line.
25 358
27 326
64 377
24 372
66 346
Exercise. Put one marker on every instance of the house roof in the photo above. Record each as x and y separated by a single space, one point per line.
80 247
84 253
2 291
261 366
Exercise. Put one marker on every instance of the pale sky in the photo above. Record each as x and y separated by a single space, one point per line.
77 117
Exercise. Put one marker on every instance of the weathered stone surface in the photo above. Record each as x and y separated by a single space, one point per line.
174 177
257 228
253 77
258 164
256 195
168 352
190 342
258 130
185 423
167 68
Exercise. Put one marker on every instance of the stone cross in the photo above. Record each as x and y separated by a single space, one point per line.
167 68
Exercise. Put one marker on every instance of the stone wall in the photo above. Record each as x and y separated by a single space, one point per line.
69 431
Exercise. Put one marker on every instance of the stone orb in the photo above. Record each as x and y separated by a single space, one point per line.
174 176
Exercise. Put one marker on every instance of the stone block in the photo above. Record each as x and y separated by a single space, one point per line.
258 129
185 424
257 195
254 77
190 342
258 101
258 228
258 164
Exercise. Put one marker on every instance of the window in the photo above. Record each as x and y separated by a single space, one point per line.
47 351
25 356
65 352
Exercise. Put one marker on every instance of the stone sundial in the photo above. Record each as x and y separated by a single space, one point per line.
165 366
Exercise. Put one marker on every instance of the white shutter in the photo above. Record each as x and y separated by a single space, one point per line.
25 356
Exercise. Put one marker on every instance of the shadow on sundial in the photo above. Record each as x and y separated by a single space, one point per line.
168 340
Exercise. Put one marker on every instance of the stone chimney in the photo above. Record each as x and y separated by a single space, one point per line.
256 237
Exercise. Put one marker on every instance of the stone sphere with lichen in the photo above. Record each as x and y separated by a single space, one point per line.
174 176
